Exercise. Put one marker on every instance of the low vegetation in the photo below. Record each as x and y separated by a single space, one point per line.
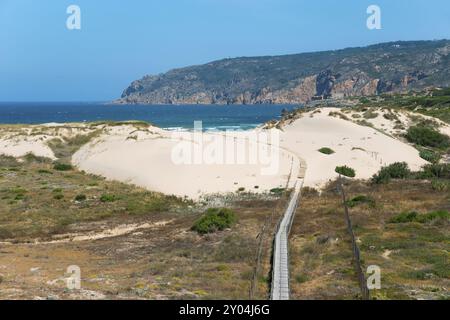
359 200
62 166
215 219
429 155
401 226
398 170
326 150
346 171
39 199
427 137
413 216
277 191
108 198
434 170
64 148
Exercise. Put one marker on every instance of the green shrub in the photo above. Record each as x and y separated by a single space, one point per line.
397 170
214 219
45 171
435 215
427 137
277 191
345 171
361 199
31 157
413 216
62 166
326 150
435 170
370 114
338 115
364 123
301 278
404 217
18 190
8 161
18 193
19 196
364 100
438 185
390 116
108 198
80 197
58 196
430 156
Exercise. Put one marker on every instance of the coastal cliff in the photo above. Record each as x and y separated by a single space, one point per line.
290 79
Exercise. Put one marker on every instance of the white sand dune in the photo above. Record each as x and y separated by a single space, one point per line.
147 162
20 147
363 148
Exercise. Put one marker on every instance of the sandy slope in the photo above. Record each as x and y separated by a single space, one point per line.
21 148
147 161
360 147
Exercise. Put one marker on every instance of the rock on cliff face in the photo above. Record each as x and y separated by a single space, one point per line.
291 79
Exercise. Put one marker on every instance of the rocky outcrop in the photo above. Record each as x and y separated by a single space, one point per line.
383 68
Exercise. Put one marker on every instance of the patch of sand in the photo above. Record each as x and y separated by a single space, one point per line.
108 233
147 160
19 147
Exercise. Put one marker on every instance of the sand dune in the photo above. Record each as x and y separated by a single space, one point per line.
147 161
360 147
149 157
20 147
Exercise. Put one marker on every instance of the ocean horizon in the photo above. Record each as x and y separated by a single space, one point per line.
170 117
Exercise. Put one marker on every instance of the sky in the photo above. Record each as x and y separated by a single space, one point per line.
123 40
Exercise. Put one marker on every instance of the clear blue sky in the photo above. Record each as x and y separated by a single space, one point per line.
120 41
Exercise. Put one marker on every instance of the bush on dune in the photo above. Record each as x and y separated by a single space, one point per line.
326 150
346 171
398 170
435 170
427 137
430 156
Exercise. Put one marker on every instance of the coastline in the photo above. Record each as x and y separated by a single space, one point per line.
142 154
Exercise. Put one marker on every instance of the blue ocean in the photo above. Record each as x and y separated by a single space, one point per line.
173 117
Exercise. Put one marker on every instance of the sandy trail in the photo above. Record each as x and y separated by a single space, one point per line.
116 231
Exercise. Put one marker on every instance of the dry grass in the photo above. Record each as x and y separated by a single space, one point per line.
164 262
413 257
38 201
